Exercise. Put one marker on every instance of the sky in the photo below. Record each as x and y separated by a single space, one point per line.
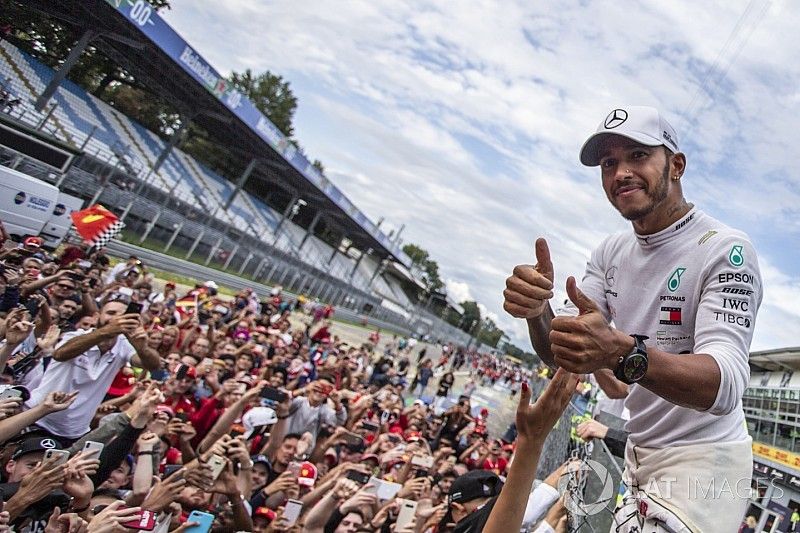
463 120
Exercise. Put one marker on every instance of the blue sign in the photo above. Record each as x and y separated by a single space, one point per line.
144 17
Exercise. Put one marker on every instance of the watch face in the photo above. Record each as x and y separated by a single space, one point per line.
635 367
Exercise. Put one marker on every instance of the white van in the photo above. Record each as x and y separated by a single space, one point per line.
29 206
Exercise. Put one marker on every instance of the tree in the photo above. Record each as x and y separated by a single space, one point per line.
471 317
271 95
420 258
489 333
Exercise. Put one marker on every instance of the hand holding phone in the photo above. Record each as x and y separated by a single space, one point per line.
291 512
61 456
203 521
408 509
359 477
144 521
217 464
272 396
93 447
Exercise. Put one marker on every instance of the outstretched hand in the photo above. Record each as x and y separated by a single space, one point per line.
534 422
586 342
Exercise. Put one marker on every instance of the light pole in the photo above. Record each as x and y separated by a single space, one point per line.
292 213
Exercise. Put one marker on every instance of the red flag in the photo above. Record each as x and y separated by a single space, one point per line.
96 224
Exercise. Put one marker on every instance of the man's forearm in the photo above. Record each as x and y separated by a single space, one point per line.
276 437
321 512
539 332
78 345
241 518
222 425
614 388
28 288
147 356
6 351
687 380
44 322
88 305
509 510
14 424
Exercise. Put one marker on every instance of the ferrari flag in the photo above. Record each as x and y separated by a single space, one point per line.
97 225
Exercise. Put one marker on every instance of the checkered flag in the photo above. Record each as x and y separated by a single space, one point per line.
107 234
97 225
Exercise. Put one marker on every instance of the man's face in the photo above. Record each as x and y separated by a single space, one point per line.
87 322
635 177
119 477
244 363
445 483
109 311
200 348
259 475
67 309
286 451
235 394
182 386
228 349
64 288
192 497
317 396
19 468
350 523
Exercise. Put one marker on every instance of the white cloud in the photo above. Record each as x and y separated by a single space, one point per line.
458 290
463 120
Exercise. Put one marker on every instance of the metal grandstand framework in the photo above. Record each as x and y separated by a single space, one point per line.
183 208
191 85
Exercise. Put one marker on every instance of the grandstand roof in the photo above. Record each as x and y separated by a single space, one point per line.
163 62
777 359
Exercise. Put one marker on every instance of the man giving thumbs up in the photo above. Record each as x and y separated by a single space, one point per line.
682 290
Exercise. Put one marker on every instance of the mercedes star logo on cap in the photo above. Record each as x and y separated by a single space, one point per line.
615 118
47 443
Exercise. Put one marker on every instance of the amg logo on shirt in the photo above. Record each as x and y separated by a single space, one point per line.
670 316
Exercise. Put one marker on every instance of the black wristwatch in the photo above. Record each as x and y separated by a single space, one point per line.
633 366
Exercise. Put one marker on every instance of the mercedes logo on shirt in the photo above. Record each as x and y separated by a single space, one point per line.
615 118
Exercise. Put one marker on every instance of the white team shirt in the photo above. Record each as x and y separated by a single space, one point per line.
694 287
91 373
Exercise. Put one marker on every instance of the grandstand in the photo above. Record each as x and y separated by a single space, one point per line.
265 223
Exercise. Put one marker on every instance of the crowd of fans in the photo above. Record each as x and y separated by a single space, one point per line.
126 406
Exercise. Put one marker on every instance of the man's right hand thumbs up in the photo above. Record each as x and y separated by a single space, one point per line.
530 286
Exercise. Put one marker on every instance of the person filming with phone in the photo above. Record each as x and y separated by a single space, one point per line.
87 361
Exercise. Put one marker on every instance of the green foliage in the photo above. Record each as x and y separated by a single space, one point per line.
420 258
271 95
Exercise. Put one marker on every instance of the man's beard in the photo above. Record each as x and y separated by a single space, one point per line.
656 196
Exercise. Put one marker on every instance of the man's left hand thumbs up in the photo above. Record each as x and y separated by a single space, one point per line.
585 343
576 296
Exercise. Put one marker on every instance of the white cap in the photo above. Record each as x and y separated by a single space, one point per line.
258 416
643 124
211 285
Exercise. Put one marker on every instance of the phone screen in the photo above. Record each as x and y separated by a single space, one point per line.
292 511
134 308
359 477
271 394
